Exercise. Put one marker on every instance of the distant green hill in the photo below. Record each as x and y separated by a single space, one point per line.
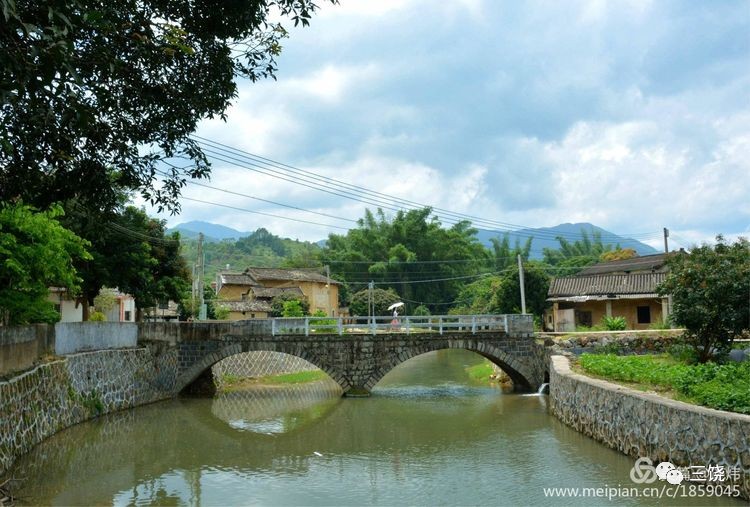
260 248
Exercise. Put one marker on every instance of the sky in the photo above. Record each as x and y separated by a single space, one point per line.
632 115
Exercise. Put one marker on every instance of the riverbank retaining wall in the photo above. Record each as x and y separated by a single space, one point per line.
67 391
648 425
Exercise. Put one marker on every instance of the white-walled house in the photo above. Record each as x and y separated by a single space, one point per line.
71 310
66 305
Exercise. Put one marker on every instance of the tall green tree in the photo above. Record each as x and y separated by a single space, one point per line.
710 289
503 255
132 252
36 252
507 296
410 253
570 258
87 85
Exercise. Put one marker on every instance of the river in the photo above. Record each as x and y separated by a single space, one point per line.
427 436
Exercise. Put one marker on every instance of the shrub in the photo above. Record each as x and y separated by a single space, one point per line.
614 323
97 317
323 324
292 308
277 304
421 311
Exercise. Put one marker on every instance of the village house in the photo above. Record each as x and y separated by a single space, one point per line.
248 295
71 309
624 288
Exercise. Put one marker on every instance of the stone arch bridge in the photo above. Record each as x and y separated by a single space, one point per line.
355 357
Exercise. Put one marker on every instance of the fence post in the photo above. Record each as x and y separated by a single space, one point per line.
341 326
273 327
505 324
473 324
440 323
373 326
408 325
307 326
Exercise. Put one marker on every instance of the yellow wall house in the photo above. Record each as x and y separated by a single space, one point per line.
248 295
625 288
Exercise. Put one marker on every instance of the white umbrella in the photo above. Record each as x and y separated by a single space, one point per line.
396 305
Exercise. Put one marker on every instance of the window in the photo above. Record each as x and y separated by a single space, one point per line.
127 315
252 315
644 315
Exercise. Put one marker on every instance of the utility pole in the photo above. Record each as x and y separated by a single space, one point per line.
669 297
521 282
198 284
370 302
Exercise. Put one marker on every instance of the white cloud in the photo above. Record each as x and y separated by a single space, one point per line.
520 112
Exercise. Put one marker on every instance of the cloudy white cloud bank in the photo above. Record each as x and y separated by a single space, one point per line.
633 115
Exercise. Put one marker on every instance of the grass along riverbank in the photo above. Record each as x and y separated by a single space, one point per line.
233 382
713 385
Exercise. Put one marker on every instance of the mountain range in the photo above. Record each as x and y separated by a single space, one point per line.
544 237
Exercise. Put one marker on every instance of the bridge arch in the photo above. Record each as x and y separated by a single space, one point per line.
517 369
188 376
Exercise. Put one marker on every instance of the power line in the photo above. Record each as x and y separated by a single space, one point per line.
336 187
232 192
264 214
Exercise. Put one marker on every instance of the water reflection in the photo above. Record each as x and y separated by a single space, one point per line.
434 441
271 410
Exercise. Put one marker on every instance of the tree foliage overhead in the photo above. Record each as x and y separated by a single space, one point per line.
93 85
36 252
133 253
710 289
401 251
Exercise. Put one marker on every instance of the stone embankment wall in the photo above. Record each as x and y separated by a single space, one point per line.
260 364
648 425
67 391
24 346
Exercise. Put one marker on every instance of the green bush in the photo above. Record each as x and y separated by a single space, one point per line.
323 324
714 385
292 308
97 317
421 311
614 323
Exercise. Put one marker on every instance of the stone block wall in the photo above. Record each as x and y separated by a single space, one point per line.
260 364
59 394
648 425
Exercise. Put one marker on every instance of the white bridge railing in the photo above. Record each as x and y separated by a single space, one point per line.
407 324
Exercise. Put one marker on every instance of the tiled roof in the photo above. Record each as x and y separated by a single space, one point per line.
272 292
292 275
253 305
646 263
606 285
237 279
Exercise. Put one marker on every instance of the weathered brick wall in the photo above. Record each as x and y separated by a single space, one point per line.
59 394
648 425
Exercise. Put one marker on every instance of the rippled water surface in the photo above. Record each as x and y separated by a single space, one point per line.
427 436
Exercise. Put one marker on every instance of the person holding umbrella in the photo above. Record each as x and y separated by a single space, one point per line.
395 307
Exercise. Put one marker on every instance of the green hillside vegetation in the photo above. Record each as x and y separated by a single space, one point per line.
417 260
261 248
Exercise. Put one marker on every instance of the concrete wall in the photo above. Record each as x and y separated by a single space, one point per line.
59 394
21 347
648 425
72 337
